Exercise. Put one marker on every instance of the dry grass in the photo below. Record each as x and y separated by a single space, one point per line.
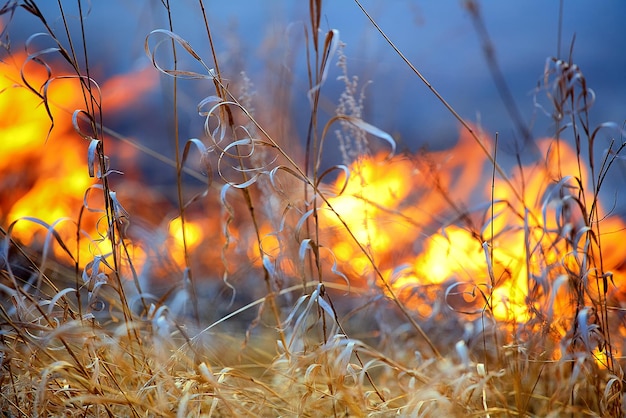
300 325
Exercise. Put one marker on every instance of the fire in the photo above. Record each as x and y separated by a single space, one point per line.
192 238
362 206
117 93
419 216
428 225
45 176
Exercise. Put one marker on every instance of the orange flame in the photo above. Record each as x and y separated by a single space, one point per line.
43 178
485 262
44 172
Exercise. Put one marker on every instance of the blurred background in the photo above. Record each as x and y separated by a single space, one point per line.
266 40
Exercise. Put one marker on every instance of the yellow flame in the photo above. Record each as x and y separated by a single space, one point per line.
388 204
193 237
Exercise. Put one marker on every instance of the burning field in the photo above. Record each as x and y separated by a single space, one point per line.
266 282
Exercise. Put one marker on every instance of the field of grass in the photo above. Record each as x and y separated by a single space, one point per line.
268 282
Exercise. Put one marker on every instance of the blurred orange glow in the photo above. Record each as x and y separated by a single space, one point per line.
176 244
125 90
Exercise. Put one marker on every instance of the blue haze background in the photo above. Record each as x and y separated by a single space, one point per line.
265 38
